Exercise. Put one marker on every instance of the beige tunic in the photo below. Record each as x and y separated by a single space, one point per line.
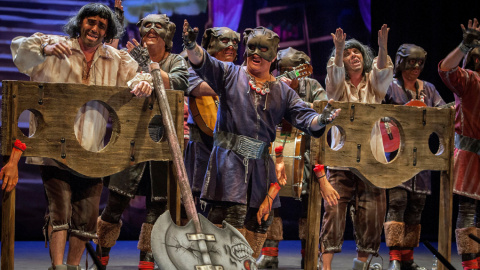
372 90
110 67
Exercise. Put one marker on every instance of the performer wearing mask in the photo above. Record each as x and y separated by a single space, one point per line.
309 90
221 43
157 33
465 84
354 75
240 170
406 202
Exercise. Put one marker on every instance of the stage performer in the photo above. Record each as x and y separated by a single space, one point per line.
309 90
80 58
406 202
156 31
240 170
464 82
221 43
354 76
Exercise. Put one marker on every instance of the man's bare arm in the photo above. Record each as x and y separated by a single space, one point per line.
339 42
382 47
203 89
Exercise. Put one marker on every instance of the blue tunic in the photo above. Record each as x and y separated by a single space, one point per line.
199 147
244 112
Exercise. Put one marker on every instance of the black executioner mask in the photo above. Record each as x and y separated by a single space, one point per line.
409 56
161 24
218 38
261 41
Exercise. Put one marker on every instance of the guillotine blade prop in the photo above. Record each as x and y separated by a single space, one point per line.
176 247
179 237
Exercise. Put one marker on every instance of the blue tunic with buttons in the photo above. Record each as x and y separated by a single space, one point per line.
244 112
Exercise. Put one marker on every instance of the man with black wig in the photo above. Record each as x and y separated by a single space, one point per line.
73 199
354 75
240 170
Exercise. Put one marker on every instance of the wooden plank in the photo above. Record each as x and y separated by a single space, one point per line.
8 199
357 121
56 114
415 127
445 206
8 229
314 210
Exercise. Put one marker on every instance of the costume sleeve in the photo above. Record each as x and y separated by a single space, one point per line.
335 81
214 72
299 115
318 93
127 69
27 53
381 78
178 74
458 80
437 100
193 81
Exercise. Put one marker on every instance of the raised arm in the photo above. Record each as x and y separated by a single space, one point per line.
471 37
194 51
339 42
382 47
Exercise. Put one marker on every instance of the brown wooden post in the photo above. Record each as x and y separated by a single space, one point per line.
317 155
173 201
8 229
445 204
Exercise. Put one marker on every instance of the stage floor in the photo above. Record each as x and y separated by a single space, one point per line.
124 256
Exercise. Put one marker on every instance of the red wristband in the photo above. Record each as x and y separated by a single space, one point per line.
19 145
319 168
275 185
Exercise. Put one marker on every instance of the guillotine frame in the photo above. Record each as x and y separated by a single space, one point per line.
55 106
416 125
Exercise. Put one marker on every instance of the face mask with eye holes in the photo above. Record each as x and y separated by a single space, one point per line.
219 38
161 24
261 41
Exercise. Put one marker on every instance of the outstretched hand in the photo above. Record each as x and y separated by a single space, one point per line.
328 114
471 35
189 36
134 43
383 37
339 39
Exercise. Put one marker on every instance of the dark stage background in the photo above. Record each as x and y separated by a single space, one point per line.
433 25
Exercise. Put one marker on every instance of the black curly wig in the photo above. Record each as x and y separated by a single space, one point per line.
114 29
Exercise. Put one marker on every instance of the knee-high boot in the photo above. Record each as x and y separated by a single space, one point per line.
394 234
269 257
108 234
467 247
410 241
144 245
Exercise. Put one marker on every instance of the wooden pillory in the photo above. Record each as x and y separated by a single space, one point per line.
55 106
416 125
